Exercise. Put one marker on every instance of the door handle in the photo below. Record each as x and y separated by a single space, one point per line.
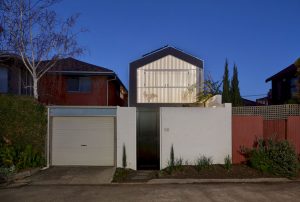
83 145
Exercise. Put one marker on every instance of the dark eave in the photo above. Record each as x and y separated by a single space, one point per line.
164 51
290 70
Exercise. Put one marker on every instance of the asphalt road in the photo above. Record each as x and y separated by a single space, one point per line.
168 192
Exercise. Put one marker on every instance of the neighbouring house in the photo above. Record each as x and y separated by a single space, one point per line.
285 85
165 77
263 101
69 82
247 102
74 82
14 78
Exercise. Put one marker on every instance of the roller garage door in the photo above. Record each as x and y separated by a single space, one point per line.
85 141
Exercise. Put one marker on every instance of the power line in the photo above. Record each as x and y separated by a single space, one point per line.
254 95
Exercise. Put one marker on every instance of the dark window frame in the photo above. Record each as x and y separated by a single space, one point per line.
80 88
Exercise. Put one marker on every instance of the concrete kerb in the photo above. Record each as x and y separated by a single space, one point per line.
170 181
200 181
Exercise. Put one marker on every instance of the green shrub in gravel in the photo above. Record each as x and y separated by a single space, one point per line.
227 163
203 162
276 157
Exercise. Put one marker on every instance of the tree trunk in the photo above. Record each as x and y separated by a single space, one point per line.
35 88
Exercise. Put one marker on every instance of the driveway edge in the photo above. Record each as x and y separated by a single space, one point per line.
199 181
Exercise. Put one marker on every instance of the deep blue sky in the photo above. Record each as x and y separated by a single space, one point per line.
261 37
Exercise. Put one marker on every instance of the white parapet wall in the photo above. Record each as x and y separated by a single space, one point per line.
126 135
195 131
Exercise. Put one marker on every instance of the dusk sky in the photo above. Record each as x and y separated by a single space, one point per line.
261 37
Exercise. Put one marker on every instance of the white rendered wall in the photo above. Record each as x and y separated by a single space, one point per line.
126 135
195 131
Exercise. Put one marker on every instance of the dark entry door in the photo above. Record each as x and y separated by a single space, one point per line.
147 138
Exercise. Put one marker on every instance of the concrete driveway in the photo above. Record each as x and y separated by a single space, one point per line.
73 176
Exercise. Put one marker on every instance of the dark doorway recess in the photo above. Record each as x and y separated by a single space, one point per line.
148 138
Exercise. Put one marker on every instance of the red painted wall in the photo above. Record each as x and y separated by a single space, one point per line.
53 91
275 129
293 132
245 130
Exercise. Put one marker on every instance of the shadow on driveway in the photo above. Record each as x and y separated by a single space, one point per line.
73 175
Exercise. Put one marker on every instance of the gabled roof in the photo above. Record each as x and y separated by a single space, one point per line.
292 69
164 51
72 65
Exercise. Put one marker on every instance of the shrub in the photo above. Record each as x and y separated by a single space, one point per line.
20 157
186 163
276 157
171 161
174 163
121 175
178 164
23 121
29 158
22 132
227 162
124 160
203 162
172 158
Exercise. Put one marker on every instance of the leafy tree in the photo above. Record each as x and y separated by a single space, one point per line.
31 30
236 98
210 89
226 85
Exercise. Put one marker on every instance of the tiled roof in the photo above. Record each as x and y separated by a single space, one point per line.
71 64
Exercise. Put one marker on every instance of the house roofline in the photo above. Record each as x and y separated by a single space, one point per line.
165 51
168 46
81 72
287 70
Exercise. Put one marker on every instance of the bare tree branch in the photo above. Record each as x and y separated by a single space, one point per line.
32 30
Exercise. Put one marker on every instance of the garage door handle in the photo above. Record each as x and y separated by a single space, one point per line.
83 145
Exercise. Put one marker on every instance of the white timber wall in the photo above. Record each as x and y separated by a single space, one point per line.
195 131
126 135
168 80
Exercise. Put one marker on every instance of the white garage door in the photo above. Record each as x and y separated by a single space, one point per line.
83 141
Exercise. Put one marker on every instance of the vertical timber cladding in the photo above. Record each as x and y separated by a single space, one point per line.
148 145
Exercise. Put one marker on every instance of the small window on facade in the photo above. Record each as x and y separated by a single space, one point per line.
3 80
79 84
294 90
